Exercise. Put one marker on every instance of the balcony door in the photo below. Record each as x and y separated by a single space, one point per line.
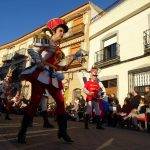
110 48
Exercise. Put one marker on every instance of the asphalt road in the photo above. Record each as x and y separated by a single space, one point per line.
39 138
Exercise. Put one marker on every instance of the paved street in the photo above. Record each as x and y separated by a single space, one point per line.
44 139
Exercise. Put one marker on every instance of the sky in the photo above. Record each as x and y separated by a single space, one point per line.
19 17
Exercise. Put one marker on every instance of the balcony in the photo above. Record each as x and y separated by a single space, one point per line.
108 56
75 64
75 31
146 40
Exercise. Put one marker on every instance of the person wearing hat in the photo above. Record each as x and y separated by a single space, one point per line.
92 90
46 77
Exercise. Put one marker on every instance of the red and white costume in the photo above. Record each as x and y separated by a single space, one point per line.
45 78
92 101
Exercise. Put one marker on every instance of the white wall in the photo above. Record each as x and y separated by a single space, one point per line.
121 71
130 37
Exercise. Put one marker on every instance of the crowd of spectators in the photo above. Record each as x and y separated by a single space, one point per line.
133 114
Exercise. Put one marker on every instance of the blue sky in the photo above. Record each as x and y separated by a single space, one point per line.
19 17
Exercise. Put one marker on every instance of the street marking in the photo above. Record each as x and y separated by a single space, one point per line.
107 143
29 136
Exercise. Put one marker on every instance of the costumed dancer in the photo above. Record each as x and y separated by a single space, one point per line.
93 91
41 43
43 76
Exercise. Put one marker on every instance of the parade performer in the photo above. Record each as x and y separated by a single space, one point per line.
93 91
43 76
9 90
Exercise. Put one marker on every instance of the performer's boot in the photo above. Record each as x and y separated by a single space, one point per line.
24 125
62 124
98 123
86 121
46 123
31 123
7 117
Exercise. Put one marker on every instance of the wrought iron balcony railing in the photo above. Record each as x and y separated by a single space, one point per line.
78 29
108 55
146 38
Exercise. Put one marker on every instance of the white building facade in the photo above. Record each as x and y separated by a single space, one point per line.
120 47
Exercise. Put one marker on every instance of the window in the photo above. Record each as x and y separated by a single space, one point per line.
139 79
37 40
110 48
142 79
46 41
110 51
